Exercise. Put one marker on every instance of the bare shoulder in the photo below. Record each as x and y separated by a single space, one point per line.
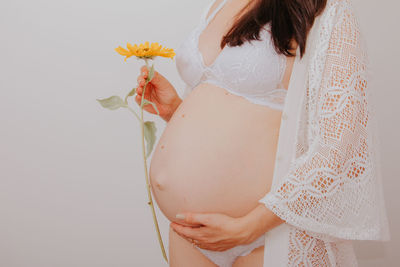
213 7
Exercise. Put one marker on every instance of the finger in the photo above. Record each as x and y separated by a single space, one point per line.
139 89
144 71
156 75
188 239
220 249
196 218
188 232
208 247
213 247
138 99
140 80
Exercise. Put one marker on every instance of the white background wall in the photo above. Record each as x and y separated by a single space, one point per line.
72 190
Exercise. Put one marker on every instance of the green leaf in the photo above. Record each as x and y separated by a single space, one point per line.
145 101
150 135
131 93
151 73
112 103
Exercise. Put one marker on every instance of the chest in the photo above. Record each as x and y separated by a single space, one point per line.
254 61
216 25
252 69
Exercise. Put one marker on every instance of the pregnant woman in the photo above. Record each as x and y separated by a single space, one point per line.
266 161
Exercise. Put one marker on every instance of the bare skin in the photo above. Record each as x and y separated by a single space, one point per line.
183 169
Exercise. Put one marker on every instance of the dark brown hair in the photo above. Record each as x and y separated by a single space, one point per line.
290 21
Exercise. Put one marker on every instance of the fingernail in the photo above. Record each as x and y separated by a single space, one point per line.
180 216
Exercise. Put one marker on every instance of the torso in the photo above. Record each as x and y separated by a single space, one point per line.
217 152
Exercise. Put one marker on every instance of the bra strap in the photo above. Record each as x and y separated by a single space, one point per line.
207 10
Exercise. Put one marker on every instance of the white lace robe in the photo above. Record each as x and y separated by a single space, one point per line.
327 183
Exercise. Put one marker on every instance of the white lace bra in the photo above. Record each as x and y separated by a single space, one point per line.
253 70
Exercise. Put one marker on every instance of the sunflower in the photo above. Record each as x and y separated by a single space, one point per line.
145 51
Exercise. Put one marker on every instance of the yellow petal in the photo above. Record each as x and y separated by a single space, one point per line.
130 47
122 51
155 46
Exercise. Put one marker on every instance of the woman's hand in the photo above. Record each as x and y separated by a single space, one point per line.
212 231
159 91
219 232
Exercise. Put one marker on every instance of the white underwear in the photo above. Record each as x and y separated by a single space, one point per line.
227 258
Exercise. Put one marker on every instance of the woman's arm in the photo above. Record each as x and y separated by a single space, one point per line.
219 232
259 221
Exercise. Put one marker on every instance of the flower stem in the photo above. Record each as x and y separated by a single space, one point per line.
134 113
147 175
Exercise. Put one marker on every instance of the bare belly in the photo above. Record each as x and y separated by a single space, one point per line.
216 154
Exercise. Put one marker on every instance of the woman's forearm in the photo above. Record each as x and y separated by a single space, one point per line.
258 221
